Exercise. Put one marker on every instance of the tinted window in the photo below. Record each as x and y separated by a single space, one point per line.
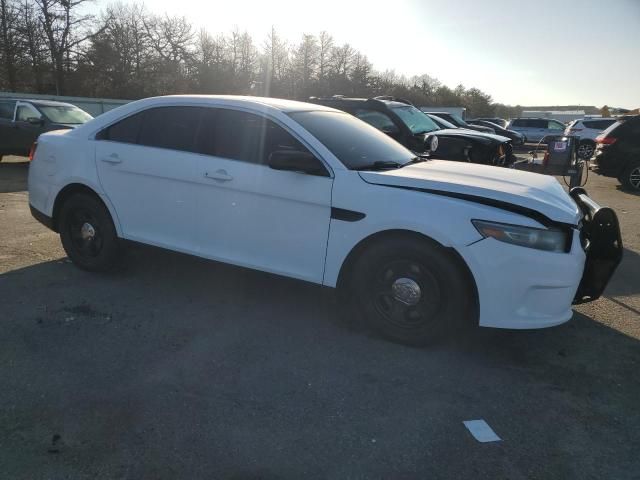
170 127
125 131
598 124
6 110
243 136
355 143
377 119
519 122
534 123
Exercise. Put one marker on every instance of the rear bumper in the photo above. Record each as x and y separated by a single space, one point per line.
602 241
606 163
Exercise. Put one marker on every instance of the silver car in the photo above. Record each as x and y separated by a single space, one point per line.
535 129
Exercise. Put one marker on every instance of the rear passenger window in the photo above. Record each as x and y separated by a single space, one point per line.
6 110
243 136
533 123
125 131
170 127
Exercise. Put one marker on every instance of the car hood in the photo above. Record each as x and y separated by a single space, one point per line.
484 184
464 132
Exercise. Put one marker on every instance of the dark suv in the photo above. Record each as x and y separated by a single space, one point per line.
402 121
618 152
22 121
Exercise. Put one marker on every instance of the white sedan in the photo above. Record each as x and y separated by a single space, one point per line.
419 246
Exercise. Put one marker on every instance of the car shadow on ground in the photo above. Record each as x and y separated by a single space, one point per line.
625 280
181 367
13 176
626 191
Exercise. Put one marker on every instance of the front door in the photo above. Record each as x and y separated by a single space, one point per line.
252 215
29 125
147 167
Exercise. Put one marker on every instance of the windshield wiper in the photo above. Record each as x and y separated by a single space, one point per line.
381 165
416 159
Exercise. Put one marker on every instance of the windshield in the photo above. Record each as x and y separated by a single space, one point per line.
458 120
355 143
64 114
444 124
417 121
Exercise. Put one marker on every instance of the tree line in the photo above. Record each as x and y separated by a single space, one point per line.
125 51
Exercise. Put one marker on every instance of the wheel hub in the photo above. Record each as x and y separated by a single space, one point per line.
87 232
634 177
406 291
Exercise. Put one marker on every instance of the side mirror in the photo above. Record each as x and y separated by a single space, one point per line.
296 161
35 121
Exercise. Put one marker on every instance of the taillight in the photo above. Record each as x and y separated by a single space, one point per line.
32 151
606 140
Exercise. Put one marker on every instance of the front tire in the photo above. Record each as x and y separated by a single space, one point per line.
88 234
412 291
630 177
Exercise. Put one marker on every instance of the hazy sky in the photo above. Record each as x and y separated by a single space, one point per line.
533 52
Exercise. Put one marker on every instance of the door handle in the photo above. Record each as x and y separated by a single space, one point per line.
219 175
113 158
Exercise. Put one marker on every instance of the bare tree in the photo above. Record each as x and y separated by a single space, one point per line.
65 28
33 42
325 46
10 50
305 62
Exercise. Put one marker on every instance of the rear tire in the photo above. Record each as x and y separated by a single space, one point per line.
630 177
586 148
412 291
88 234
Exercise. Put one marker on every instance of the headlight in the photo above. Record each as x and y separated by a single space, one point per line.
550 240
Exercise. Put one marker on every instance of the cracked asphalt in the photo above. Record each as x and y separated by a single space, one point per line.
177 367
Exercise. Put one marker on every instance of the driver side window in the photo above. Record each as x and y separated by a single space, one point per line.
377 119
25 112
243 136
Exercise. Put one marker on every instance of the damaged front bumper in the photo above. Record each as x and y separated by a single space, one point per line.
602 243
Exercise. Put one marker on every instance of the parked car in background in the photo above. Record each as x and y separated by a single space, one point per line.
588 129
516 137
617 152
405 123
460 123
420 247
497 120
22 121
536 129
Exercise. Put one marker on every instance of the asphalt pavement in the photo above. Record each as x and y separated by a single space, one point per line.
177 367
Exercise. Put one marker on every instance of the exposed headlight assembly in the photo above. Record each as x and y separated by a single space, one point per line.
547 239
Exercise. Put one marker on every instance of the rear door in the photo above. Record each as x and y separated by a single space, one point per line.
250 214
147 167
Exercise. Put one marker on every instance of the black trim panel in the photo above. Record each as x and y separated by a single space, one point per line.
42 218
346 215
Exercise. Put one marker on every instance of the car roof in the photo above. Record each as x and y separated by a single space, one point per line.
238 100
44 103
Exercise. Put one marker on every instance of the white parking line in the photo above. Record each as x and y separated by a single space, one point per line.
481 431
